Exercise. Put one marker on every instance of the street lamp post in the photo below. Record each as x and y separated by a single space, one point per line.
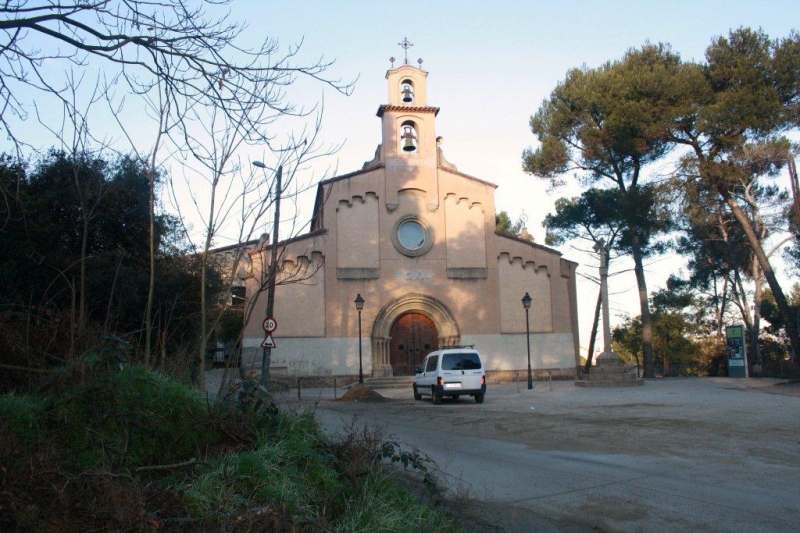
267 354
359 306
526 303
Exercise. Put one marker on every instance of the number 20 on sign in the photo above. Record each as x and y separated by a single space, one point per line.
270 324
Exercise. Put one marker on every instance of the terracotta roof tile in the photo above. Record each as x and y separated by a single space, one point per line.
410 109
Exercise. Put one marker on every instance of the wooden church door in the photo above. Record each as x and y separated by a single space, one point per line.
414 336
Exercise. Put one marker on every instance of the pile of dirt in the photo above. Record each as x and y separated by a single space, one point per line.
361 393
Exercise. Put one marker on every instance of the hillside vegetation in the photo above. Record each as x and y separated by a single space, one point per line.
106 446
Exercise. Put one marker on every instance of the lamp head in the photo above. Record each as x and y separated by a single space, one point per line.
359 302
526 301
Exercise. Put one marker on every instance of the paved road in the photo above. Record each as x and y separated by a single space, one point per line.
710 454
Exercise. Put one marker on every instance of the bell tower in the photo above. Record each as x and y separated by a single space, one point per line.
409 149
408 121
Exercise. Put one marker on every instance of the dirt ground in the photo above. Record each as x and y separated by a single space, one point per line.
710 454
689 454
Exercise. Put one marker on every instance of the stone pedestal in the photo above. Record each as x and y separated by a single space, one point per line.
609 372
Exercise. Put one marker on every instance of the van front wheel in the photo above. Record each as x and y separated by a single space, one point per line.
417 395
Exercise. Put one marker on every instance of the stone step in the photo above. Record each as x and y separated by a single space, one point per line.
599 383
398 382
610 376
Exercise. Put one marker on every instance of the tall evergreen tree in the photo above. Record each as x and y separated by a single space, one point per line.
606 125
732 121
593 217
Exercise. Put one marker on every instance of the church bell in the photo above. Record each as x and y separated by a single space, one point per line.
408 94
409 140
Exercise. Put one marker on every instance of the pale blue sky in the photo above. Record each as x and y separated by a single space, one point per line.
494 62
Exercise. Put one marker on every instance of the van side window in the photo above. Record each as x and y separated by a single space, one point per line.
432 361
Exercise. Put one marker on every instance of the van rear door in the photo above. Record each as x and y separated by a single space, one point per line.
462 370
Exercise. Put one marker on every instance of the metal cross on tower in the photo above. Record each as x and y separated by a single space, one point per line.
405 45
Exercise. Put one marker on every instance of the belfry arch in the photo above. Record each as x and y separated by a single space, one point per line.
432 308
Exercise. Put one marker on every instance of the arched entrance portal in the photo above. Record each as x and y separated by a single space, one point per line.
413 336
389 322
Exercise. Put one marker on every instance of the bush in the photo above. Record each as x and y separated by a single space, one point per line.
19 418
132 418
112 447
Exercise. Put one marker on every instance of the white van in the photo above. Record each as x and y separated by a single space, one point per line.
451 372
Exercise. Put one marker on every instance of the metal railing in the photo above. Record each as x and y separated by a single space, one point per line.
776 369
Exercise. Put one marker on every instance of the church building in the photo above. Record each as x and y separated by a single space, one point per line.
415 239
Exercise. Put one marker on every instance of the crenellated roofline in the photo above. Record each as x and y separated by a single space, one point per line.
316 219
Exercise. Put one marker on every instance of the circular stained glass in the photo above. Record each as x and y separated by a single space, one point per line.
411 235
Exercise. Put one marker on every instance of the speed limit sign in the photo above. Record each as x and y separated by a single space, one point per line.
270 324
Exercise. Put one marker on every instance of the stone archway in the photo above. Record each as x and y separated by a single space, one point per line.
433 309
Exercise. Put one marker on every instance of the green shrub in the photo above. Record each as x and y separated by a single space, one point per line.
132 418
386 507
160 457
290 471
20 417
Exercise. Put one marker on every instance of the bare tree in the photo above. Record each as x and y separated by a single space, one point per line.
77 140
180 43
208 95
158 106
233 198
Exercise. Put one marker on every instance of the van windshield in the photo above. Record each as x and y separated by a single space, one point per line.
461 361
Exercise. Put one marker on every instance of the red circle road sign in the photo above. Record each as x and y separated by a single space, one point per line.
270 324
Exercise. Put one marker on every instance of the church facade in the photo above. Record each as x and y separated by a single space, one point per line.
416 239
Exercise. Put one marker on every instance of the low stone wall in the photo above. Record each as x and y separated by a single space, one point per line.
509 376
251 362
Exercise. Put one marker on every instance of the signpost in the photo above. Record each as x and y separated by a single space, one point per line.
737 352
269 342
269 325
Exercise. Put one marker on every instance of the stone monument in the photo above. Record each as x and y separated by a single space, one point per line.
609 370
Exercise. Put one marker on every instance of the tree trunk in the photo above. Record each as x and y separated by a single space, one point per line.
743 306
595 323
647 329
755 352
82 282
723 302
795 193
199 366
148 312
769 274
